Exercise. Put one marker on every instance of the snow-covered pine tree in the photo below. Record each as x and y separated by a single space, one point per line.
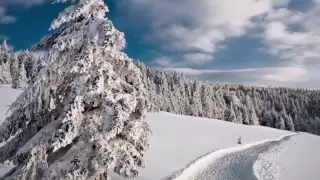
30 65
230 114
14 70
207 104
5 76
5 45
20 80
146 81
18 71
84 114
195 99
290 125
254 120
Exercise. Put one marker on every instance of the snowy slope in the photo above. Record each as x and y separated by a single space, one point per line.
235 163
7 96
300 158
180 140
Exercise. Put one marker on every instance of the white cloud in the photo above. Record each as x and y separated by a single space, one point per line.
284 76
202 25
7 19
4 4
185 60
277 32
163 61
193 31
198 58
285 15
280 3
294 35
4 18
3 37
21 2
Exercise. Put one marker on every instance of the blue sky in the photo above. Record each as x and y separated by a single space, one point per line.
261 42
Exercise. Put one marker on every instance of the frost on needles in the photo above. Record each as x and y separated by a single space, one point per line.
84 114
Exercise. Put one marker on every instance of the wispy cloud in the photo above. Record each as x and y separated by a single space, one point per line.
284 76
198 58
164 61
293 35
190 33
3 37
27 3
185 60
6 18
199 26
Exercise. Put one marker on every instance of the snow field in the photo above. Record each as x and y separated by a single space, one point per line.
179 140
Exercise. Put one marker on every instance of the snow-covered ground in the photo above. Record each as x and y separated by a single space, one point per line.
7 96
179 140
190 144
300 158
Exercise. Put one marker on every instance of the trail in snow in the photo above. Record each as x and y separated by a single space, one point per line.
229 164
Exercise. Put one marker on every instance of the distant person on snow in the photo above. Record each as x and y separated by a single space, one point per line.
239 140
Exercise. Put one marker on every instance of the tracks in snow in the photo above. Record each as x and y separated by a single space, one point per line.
234 163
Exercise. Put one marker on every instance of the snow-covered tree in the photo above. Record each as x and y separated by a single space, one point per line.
17 68
254 120
230 114
84 114
14 69
289 123
4 46
19 76
18 71
207 104
30 65
195 99
280 123
5 76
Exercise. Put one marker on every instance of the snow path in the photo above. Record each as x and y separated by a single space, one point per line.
234 163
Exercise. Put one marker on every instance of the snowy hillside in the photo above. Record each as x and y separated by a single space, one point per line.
180 140
300 158
7 96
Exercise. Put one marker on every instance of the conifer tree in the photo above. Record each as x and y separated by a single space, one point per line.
5 76
14 70
84 114
5 45
254 120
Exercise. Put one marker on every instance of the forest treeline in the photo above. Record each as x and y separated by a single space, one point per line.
277 107
17 68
